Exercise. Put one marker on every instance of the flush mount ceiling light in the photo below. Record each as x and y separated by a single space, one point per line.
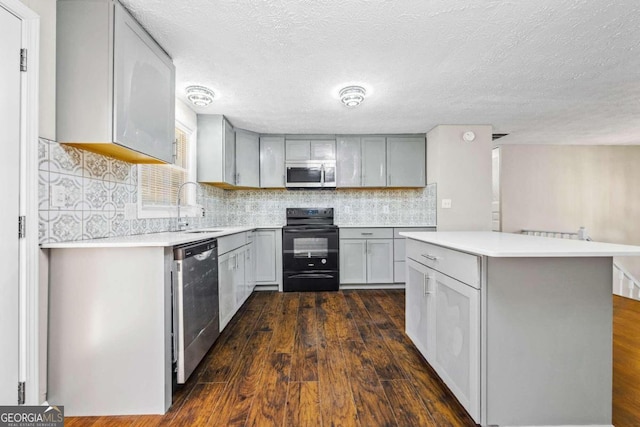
352 96
200 95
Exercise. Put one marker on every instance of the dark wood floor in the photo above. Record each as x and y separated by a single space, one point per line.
626 362
310 359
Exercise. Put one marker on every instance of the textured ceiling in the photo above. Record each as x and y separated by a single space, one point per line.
544 71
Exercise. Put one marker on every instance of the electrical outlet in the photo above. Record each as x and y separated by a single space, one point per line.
446 203
58 196
202 211
130 210
385 209
247 207
347 209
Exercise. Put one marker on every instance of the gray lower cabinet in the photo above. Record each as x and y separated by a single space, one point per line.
235 276
366 255
399 251
272 172
115 86
216 150
247 157
406 160
268 248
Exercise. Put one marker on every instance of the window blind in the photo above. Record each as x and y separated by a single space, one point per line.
159 183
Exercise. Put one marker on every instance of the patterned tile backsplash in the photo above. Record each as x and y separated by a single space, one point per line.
96 189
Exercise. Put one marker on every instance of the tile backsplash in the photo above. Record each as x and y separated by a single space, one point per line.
96 189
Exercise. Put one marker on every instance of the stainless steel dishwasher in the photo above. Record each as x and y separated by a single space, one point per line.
196 323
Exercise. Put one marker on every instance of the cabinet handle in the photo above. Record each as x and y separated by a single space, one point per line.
429 288
431 257
284 183
367 234
389 180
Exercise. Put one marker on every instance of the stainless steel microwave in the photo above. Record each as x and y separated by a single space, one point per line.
311 174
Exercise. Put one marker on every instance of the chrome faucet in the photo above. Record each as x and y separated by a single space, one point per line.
180 223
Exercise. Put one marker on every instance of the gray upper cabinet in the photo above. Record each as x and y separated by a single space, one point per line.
374 161
247 159
216 150
115 86
303 150
349 162
361 161
272 172
406 160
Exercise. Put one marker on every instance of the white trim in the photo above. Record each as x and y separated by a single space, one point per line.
191 209
29 250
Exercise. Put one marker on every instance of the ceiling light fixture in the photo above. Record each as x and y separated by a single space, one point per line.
200 95
352 96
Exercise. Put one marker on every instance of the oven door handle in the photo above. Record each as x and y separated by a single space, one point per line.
306 230
311 276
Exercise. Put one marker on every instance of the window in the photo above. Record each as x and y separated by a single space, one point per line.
159 184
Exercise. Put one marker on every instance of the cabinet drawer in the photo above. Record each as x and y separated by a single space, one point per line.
397 231
459 265
231 242
366 233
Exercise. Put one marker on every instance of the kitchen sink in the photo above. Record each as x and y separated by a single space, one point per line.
204 230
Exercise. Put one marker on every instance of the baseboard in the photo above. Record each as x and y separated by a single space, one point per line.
352 286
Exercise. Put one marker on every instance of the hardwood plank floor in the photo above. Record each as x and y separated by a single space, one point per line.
310 359
626 362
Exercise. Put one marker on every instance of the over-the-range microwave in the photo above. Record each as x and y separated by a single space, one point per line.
310 174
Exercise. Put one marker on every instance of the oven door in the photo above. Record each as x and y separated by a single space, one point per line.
310 249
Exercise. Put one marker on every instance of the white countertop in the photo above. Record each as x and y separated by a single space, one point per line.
518 245
385 226
170 238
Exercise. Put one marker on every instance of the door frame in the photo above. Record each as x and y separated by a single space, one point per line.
29 309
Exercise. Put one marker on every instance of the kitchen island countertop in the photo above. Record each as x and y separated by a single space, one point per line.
496 244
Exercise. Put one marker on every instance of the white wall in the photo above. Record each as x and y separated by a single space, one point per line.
462 172
560 188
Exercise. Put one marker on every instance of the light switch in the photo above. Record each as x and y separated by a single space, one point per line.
446 203
385 209
58 196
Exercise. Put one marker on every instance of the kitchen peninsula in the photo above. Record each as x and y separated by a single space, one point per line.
518 327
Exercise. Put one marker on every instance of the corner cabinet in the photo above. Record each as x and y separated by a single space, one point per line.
406 162
216 150
115 86
247 158
272 172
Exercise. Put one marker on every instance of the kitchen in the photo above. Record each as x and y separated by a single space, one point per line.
97 191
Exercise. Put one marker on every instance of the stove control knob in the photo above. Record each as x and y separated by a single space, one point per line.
324 261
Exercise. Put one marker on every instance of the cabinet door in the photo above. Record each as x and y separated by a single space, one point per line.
374 161
420 304
229 154
226 270
144 91
348 162
406 162
250 267
265 248
353 261
323 149
239 279
272 162
247 159
297 150
457 339
380 261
